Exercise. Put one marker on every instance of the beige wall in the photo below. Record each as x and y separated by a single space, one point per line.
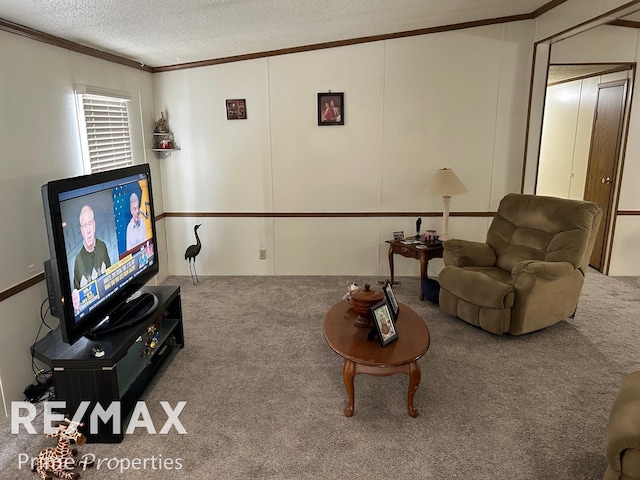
40 142
412 105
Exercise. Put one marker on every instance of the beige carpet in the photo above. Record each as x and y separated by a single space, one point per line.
265 397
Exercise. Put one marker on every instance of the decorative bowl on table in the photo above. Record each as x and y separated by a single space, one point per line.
362 300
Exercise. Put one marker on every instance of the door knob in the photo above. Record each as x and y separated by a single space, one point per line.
607 180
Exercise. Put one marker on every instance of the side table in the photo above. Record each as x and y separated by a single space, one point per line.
420 251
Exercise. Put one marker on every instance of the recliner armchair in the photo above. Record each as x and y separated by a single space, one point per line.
529 273
623 432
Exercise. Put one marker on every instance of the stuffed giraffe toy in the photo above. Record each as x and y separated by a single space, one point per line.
59 461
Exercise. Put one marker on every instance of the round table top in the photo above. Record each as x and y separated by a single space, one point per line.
351 342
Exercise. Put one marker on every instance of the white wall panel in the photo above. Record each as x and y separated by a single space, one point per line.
435 118
629 191
606 44
512 108
326 168
19 321
326 246
223 165
230 246
625 256
39 143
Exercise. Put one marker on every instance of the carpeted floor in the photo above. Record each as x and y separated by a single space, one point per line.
265 397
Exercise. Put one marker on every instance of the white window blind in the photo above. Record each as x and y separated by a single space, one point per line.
107 141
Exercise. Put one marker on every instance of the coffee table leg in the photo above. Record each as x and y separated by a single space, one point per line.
414 381
348 374
391 263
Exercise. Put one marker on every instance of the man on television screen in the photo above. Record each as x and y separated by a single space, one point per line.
93 258
136 230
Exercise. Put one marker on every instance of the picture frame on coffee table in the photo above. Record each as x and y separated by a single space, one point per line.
383 322
394 307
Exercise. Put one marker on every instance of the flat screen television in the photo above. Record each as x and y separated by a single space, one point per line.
102 242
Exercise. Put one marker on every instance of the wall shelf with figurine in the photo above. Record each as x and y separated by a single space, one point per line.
163 142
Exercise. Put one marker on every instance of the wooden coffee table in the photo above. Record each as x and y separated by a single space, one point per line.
366 356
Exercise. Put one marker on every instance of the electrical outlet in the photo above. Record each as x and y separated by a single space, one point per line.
263 254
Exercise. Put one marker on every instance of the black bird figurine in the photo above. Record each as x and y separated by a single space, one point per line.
191 253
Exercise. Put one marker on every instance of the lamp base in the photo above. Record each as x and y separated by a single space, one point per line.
446 200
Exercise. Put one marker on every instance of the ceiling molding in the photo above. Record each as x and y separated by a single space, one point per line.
625 23
39 36
549 6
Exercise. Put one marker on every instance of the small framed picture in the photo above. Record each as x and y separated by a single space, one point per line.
383 322
330 108
236 109
399 235
391 299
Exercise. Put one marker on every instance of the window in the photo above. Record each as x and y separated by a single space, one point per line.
104 126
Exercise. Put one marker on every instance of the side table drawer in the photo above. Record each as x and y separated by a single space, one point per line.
405 251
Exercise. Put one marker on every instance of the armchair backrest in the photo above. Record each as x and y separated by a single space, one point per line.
532 227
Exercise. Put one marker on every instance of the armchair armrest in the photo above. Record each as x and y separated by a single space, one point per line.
623 429
465 253
542 269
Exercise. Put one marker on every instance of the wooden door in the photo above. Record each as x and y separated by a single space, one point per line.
603 159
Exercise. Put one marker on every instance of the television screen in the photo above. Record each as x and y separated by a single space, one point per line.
102 242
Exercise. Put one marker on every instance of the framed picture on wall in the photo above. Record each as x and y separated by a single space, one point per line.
236 109
330 108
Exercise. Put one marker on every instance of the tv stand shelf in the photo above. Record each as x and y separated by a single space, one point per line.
123 373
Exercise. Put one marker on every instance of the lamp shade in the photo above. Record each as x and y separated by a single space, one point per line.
444 183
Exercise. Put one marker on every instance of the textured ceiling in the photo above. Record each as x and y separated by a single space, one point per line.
168 32
563 73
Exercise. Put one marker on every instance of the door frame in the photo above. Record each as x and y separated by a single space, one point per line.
622 147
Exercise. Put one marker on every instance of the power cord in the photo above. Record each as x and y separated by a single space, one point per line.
43 385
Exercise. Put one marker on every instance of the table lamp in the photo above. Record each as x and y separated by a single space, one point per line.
445 183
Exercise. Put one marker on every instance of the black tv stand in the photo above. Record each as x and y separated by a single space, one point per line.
135 309
123 371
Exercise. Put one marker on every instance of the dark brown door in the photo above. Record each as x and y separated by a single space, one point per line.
603 158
